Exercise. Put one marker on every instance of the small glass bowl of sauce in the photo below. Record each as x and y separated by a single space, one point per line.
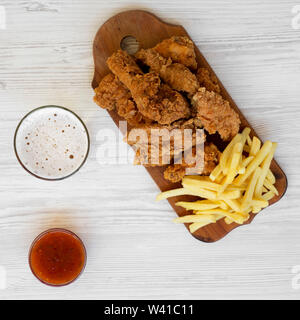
57 257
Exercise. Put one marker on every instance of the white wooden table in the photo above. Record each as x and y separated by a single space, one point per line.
134 249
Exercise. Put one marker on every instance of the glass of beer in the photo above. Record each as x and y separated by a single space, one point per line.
51 143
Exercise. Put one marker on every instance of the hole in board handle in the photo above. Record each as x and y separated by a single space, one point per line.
130 44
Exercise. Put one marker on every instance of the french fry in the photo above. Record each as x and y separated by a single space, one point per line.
224 205
233 204
197 225
232 172
255 146
256 210
250 189
220 178
259 203
193 227
196 218
235 194
226 153
201 183
241 169
245 134
246 217
198 205
216 172
262 153
228 220
201 192
265 168
270 186
247 160
271 177
198 178
232 187
268 196
210 212
249 141
171 193
183 191
236 217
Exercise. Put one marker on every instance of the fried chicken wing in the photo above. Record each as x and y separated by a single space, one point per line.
216 114
124 67
179 49
155 100
176 172
207 80
176 75
111 94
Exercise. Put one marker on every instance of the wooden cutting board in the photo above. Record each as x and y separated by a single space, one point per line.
149 30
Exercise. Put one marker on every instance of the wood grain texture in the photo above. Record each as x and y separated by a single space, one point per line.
149 30
134 249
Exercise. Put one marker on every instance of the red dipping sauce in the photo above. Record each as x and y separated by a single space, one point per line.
57 257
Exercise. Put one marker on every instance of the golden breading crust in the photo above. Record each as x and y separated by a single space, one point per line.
154 100
179 49
158 101
157 145
176 75
216 114
111 94
207 80
124 67
176 172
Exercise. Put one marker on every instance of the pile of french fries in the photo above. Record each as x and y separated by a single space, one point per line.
241 183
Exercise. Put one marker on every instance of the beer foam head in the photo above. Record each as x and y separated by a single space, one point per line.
51 142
